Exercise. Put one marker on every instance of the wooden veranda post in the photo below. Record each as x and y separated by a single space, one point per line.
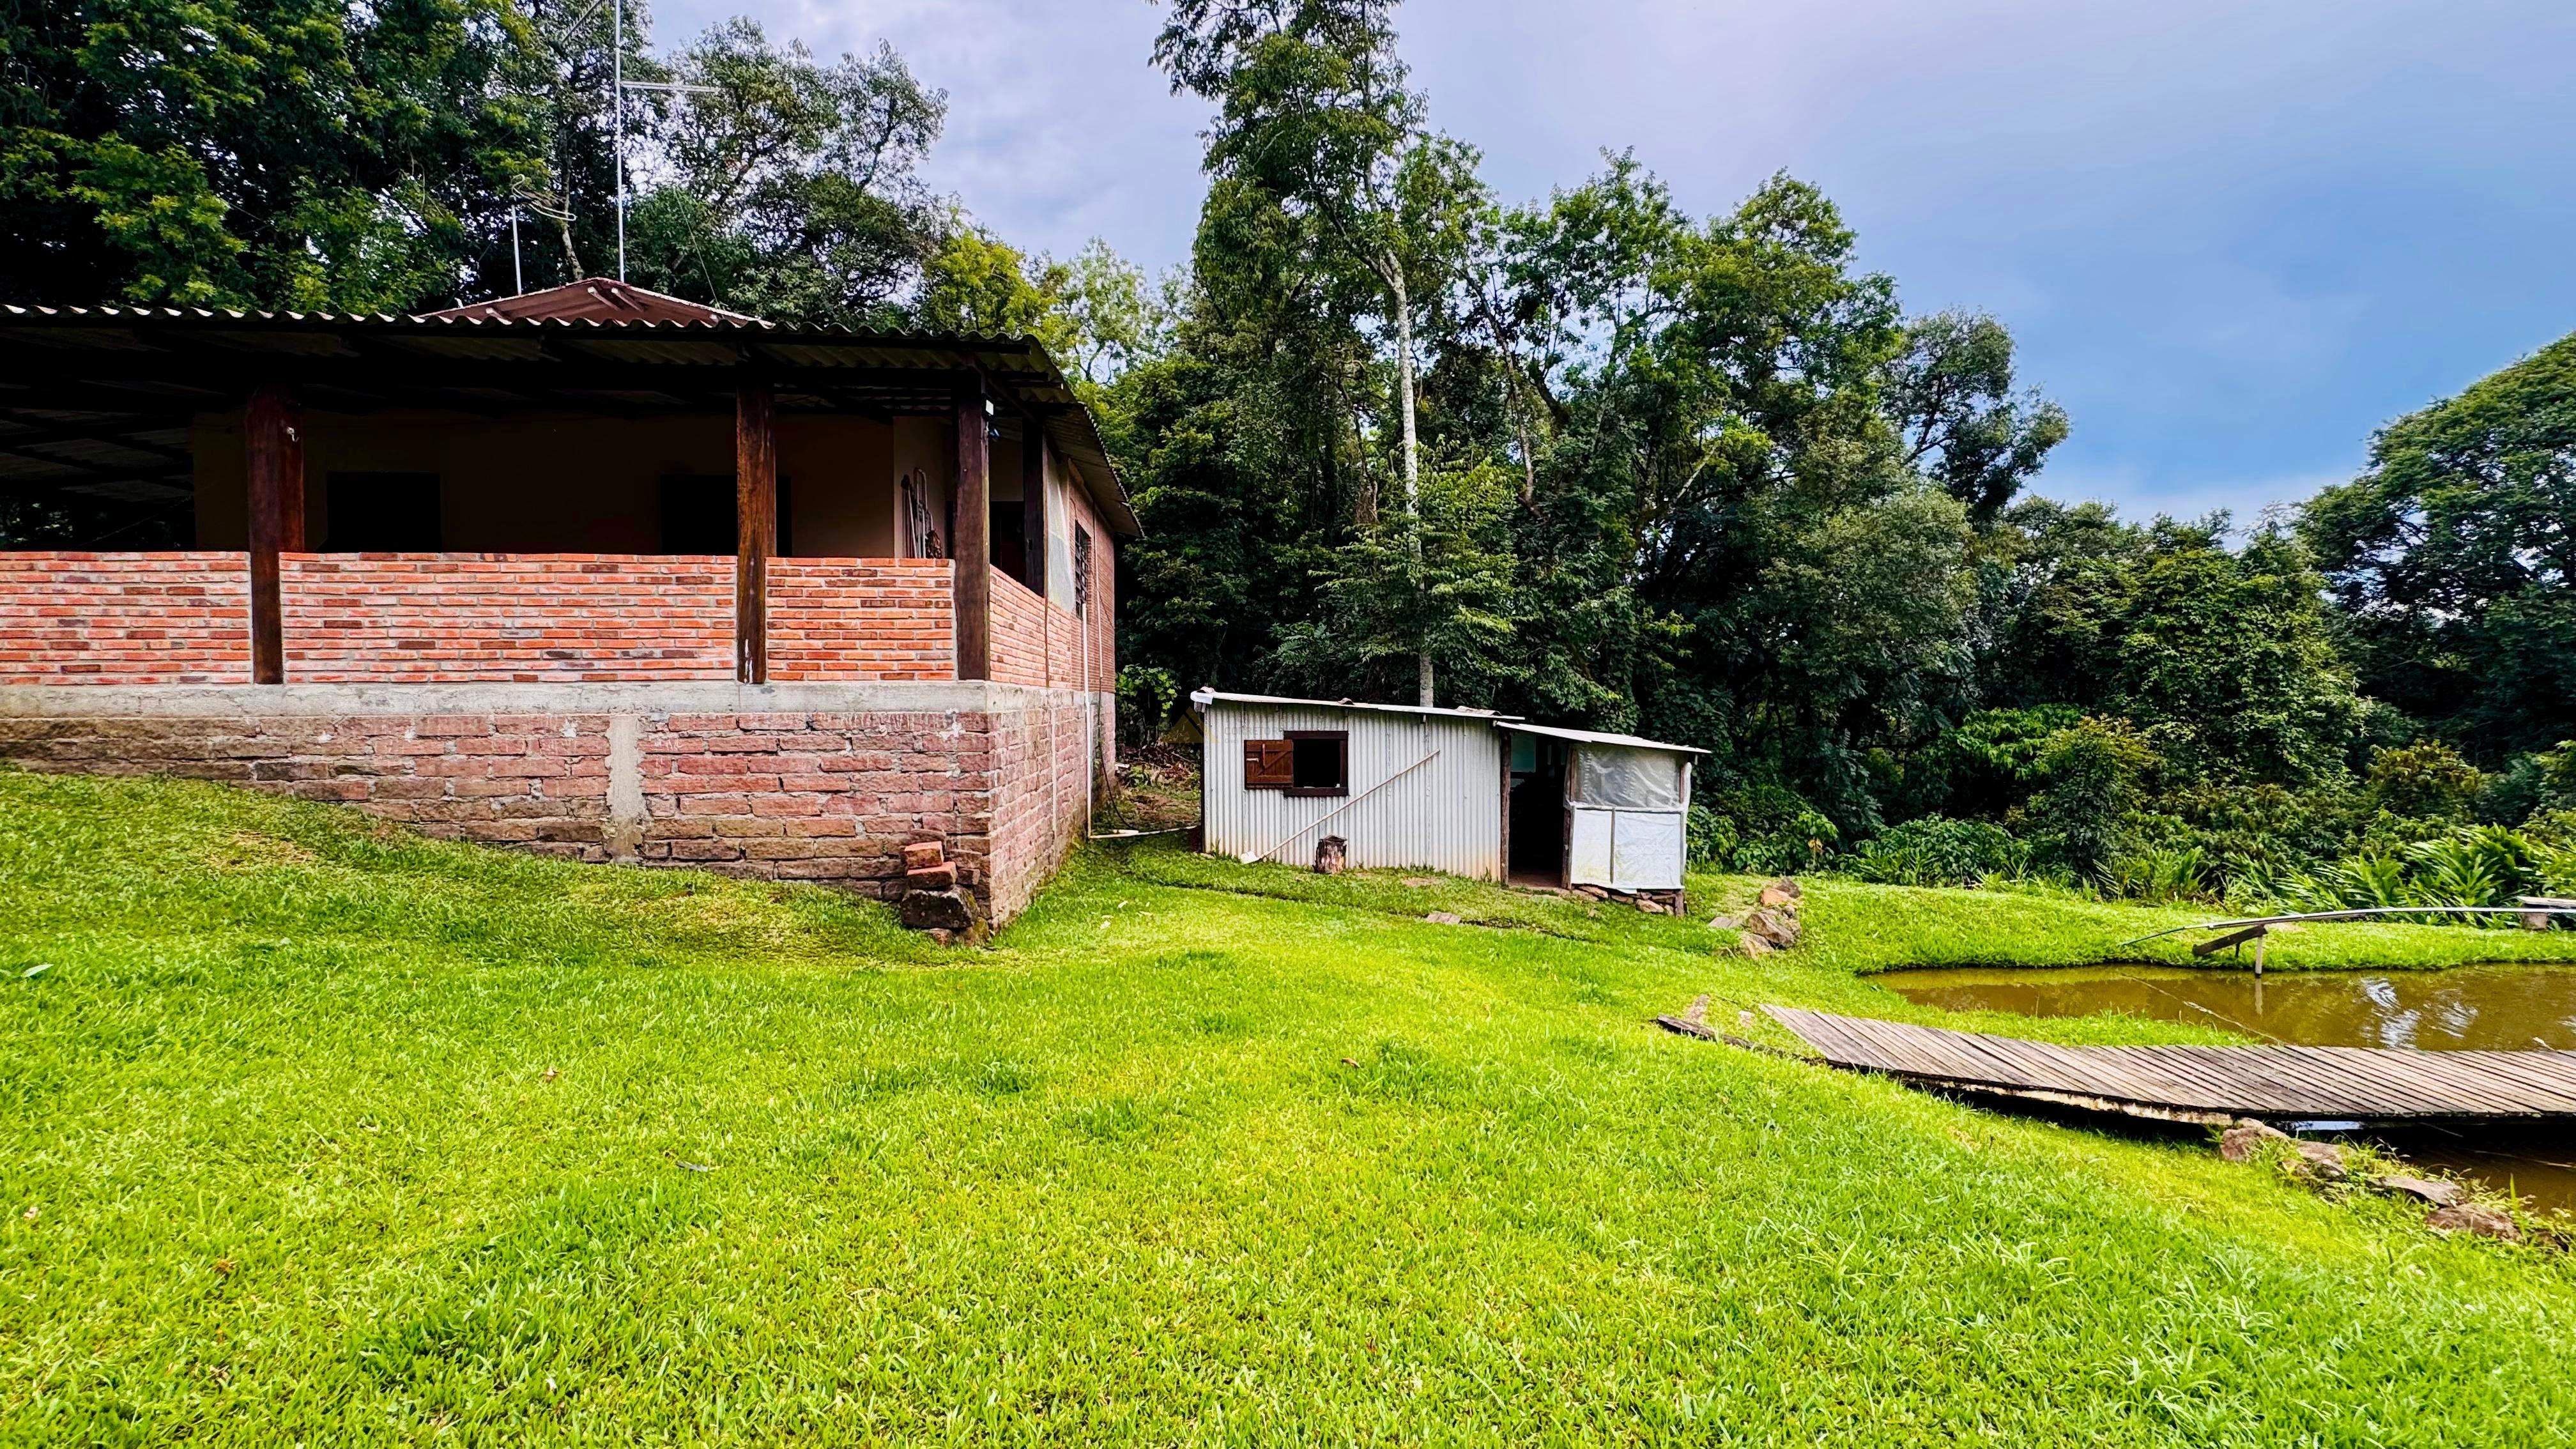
272 437
1033 538
755 473
972 546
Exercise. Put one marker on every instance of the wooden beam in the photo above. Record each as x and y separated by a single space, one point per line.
2238 938
1033 535
275 447
755 472
971 548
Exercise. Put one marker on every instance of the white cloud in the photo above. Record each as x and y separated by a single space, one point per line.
2232 237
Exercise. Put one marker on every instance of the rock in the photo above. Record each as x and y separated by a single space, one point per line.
1651 906
1772 895
2469 1217
2240 1142
1776 928
1444 918
2432 1191
1331 853
921 855
1755 946
944 910
932 877
2320 1161
1594 892
1786 886
1723 923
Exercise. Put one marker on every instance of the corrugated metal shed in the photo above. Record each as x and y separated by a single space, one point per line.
1424 785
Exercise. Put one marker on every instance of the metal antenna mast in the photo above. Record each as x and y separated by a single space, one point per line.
617 111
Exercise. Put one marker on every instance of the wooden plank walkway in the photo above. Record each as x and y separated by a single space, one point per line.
2204 1084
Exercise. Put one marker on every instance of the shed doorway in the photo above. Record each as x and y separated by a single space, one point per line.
1536 827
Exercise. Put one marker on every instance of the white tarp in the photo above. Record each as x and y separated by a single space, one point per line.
1629 850
1646 851
1589 858
1622 778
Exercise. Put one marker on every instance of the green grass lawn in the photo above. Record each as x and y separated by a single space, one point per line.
311 1131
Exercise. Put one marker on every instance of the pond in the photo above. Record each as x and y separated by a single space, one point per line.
2470 1008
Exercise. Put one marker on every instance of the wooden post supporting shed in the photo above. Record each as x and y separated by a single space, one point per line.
971 549
274 443
755 472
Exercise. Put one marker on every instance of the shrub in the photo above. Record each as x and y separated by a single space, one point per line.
2176 874
1937 851
2427 778
1145 699
2485 865
2092 770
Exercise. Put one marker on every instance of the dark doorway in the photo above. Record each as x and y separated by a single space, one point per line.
1538 811
380 513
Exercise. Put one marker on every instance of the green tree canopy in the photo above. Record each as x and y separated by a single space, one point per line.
2453 558
308 154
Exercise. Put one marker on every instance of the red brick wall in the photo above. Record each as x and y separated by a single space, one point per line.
1103 615
1021 639
416 618
1039 797
861 618
124 618
786 796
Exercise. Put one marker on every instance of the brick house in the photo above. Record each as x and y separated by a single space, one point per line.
592 572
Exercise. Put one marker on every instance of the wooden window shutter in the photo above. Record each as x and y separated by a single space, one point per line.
1269 764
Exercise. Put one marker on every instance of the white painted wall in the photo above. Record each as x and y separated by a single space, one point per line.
1446 815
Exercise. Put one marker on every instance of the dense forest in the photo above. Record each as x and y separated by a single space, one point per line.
1588 458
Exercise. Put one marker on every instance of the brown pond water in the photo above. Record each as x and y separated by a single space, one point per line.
2470 1008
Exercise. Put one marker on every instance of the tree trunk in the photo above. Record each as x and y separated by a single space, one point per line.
1404 374
1364 505
572 258
1412 448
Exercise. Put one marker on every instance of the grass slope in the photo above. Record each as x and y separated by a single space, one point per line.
313 1131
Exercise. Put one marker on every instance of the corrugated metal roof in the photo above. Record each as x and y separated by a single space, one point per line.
600 298
1595 737
1206 696
144 343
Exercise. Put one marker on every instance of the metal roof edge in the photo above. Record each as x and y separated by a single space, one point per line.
1207 696
1098 472
1594 737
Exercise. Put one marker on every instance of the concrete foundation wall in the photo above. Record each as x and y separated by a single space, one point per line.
817 782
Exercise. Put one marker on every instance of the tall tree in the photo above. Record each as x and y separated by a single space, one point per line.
2453 559
787 187
307 154
1951 395
1315 121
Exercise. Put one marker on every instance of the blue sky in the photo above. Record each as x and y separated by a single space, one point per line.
2231 238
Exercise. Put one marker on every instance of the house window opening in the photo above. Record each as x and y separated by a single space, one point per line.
1319 762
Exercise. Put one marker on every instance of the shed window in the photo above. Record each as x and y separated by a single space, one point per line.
1321 762
1269 764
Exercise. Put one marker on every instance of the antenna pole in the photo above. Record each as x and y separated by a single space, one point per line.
518 276
617 112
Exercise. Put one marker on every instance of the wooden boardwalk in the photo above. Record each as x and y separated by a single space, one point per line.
2204 1084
